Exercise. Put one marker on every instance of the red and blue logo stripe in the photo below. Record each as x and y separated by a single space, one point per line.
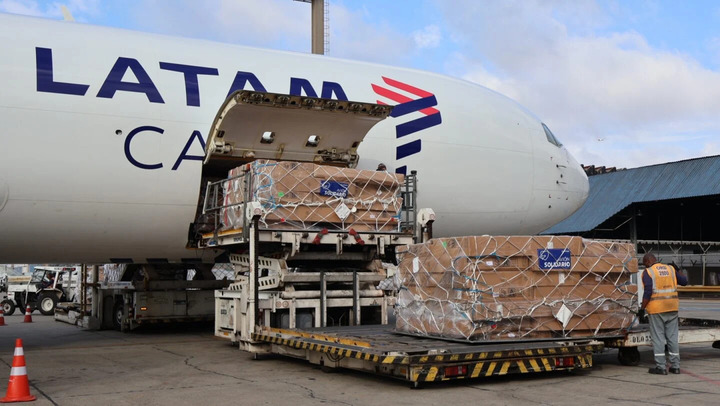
423 103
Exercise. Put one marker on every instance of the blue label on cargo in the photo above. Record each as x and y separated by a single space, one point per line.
554 258
334 189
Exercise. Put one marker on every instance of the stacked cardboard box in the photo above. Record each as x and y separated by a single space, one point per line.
297 195
519 287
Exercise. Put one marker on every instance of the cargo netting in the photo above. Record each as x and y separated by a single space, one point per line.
305 196
112 272
516 288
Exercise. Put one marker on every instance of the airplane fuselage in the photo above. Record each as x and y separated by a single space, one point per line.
103 133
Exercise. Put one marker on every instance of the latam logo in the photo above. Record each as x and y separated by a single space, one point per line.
422 101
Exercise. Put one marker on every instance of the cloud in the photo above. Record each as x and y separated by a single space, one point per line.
352 36
428 37
29 8
276 23
586 85
84 7
711 148
80 9
712 45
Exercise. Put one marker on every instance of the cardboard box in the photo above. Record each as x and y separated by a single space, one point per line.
303 195
488 288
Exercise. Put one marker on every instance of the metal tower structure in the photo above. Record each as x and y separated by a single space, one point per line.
320 25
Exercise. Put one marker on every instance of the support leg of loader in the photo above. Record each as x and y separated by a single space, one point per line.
629 356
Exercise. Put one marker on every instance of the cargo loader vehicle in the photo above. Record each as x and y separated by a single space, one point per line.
307 289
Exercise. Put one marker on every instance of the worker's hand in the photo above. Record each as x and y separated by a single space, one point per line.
642 317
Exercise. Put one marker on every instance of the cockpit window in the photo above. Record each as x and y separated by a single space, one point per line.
551 137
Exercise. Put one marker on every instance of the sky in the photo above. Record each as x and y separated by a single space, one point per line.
621 83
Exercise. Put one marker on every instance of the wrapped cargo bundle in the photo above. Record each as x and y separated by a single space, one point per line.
300 195
515 288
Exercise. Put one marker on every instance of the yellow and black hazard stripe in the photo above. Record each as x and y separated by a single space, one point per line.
497 355
332 349
525 359
318 337
434 373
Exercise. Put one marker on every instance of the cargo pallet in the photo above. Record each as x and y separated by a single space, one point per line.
378 349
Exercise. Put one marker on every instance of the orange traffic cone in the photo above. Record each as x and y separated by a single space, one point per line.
19 387
2 317
28 317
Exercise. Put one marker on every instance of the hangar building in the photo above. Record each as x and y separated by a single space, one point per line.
670 209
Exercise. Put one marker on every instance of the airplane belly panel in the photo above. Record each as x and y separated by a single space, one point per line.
84 188
448 224
63 232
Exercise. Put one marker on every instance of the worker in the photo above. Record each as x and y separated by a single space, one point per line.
49 282
382 167
660 301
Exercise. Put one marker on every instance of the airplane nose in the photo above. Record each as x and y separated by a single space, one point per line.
577 182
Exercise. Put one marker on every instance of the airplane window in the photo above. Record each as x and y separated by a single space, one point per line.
551 137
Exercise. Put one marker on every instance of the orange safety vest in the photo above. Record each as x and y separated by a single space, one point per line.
664 294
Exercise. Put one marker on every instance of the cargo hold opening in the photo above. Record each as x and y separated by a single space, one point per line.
257 125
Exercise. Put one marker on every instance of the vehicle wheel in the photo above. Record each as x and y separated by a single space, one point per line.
47 303
629 356
8 307
117 315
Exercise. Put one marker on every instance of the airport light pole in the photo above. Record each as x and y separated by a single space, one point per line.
319 26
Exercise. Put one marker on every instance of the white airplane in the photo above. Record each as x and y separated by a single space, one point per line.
103 134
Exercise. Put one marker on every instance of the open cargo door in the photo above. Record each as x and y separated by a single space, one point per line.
254 125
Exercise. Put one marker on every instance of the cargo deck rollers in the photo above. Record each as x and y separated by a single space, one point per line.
305 285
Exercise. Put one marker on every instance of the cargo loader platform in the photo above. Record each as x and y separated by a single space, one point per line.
378 349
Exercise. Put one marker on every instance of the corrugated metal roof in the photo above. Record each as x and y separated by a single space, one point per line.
612 192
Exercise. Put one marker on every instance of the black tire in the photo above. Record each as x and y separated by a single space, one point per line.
46 303
8 307
117 314
629 356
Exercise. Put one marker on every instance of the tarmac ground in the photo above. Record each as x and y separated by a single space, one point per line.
187 365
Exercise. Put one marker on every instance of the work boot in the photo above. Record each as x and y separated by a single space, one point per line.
675 370
658 371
